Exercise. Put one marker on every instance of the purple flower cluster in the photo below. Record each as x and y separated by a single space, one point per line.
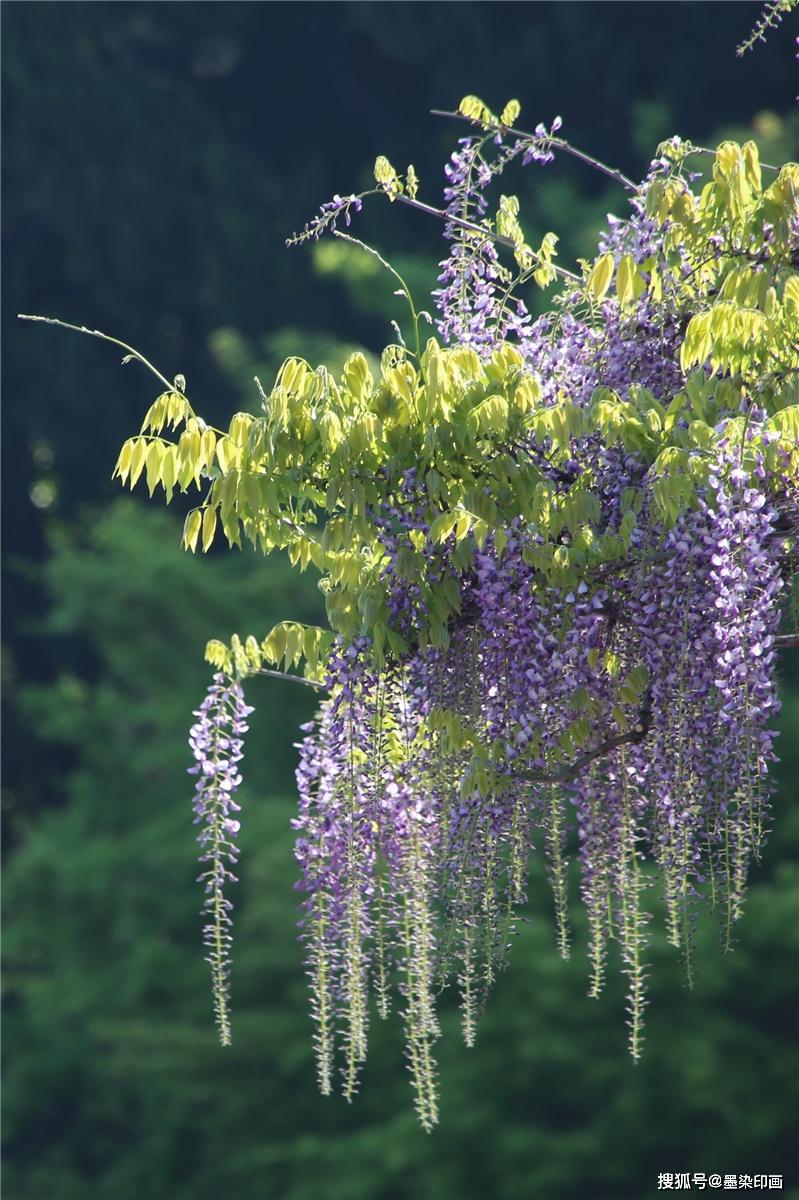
414 835
770 17
475 310
216 742
540 149
635 709
366 848
340 208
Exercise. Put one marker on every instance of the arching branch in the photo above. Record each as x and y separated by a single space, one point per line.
559 143
632 738
312 683
489 234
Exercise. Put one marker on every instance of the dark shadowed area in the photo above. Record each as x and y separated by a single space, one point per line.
156 156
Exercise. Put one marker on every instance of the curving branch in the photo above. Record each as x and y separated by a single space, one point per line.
786 641
132 353
632 738
320 687
559 143
473 227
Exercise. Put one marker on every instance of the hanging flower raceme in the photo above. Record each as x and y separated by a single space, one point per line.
217 745
414 852
642 705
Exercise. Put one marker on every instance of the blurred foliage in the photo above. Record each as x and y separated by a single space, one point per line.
117 1088
156 157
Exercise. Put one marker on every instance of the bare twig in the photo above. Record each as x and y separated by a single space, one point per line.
461 222
131 351
473 227
708 150
292 678
635 735
561 143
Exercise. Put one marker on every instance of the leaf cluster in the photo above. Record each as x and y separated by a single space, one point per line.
322 472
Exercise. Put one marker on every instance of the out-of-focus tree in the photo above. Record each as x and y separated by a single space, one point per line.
119 1088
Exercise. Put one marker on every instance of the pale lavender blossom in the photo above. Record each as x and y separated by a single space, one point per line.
216 740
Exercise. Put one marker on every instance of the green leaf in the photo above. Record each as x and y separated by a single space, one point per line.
629 283
462 525
138 455
209 527
601 275
191 529
155 454
786 422
510 113
122 467
443 526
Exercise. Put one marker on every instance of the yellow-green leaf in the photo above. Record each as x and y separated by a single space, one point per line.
209 527
191 529
474 108
155 454
600 277
225 454
137 458
629 283
123 462
169 470
510 112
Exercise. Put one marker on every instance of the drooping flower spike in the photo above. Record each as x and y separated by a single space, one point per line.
216 740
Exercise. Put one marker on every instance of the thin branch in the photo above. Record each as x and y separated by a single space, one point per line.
406 291
133 353
473 227
443 215
618 567
707 150
292 678
635 735
561 143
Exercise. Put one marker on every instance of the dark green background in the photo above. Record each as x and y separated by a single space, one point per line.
155 157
